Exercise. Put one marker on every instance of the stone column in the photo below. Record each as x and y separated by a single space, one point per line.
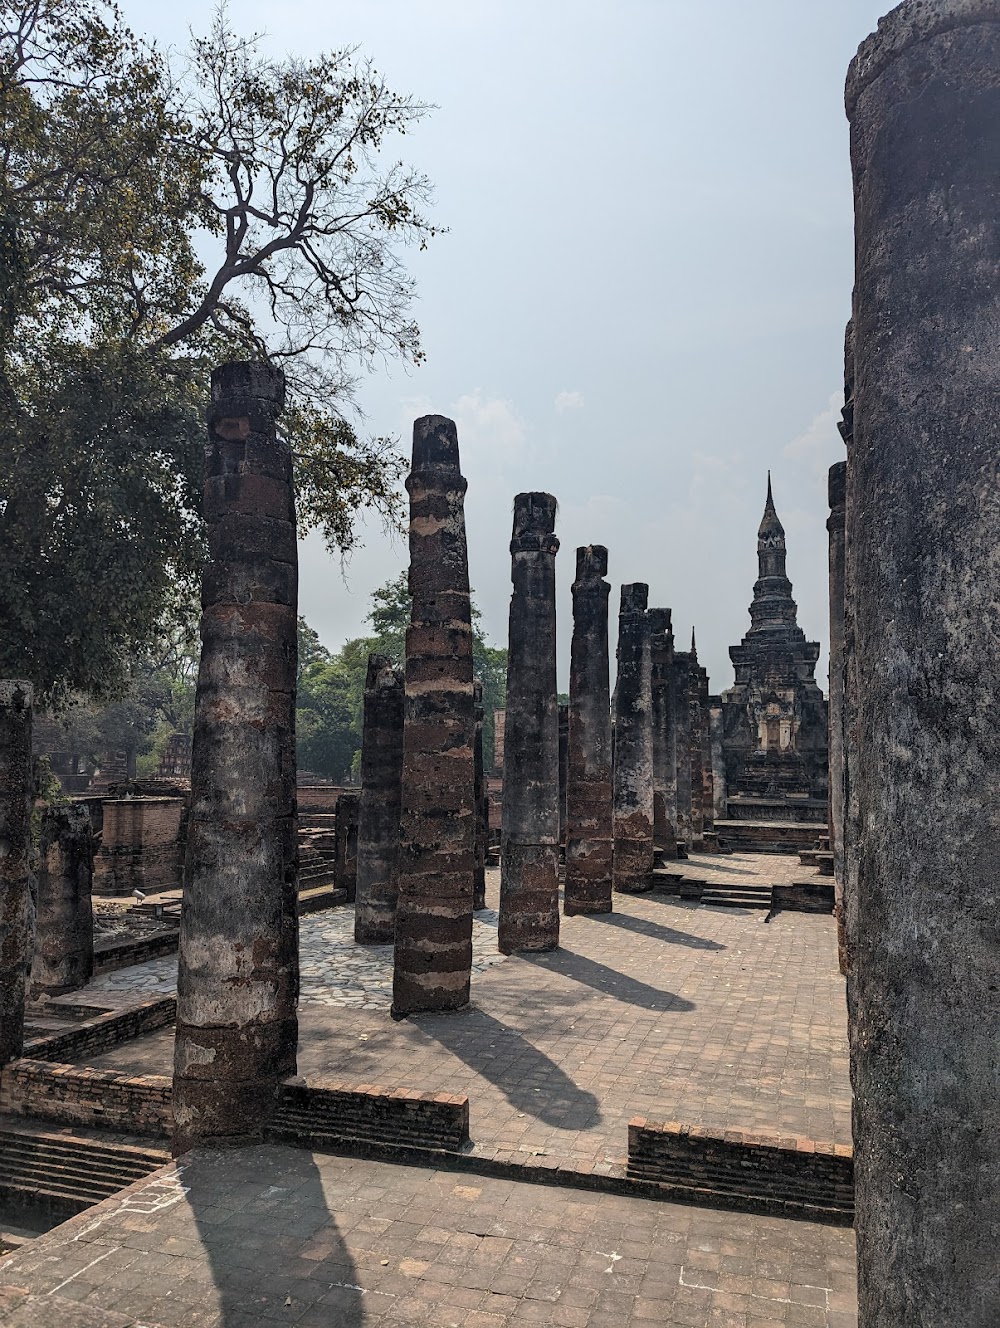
433 957
237 984
661 647
482 805
529 841
707 774
589 831
681 710
835 527
633 771
563 768
63 957
346 819
923 546
716 733
697 844
16 909
377 882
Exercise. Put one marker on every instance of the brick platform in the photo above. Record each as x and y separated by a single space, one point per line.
247 1238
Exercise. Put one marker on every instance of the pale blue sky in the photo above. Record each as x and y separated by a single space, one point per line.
641 302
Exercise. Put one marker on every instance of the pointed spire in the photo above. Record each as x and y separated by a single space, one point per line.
770 525
694 648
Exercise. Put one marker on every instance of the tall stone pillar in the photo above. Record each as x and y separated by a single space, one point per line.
16 910
835 528
529 842
716 733
433 955
707 774
681 710
661 648
63 958
923 547
237 984
482 802
346 823
563 768
697 844
589 832
633 770
377 882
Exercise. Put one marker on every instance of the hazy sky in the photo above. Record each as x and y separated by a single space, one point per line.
640 306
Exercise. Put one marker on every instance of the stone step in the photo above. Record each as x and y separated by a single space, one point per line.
733 900
62 1174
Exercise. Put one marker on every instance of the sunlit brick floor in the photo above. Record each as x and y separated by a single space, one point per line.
665 1009
247 1238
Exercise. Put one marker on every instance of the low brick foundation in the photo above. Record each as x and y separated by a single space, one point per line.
792 1173
806 897
400 1117
111 955
104 1031
76 1095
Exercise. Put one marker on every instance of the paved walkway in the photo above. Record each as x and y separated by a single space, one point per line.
253 1237
664 1009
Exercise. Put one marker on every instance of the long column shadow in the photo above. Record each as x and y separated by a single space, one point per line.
654 929
274 1249
608 980
530 1081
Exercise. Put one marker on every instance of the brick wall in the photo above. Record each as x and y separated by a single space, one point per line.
140 846
95 1036
807 897
794 1173
109 955
76 1095
400 1117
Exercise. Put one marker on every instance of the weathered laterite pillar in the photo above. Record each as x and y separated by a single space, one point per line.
529 843
835 528
378 814
237 984
433 957
563 769
707 774
716 733
697 844
681 710
63 958
16 910
589 822
923 547
482 805
633 770
346 823
661 654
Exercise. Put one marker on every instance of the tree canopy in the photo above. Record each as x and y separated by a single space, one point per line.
157 218
331 686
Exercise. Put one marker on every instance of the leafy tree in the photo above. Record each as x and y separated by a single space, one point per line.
155 221
331 693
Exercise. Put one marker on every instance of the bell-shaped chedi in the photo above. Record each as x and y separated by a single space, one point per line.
774 716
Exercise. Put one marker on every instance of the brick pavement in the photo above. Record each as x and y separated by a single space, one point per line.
665 1009
252 1237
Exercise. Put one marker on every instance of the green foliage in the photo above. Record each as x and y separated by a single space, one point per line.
331 690
155 221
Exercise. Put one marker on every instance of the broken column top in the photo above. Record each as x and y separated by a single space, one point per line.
381 673
837 484
16 693
591 562
905 26
534 523
635 597
435 444
659 621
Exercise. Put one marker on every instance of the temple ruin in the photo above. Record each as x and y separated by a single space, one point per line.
238 974
433 939
529 844
774 740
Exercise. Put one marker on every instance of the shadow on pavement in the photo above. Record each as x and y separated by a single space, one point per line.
608 980
659 933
